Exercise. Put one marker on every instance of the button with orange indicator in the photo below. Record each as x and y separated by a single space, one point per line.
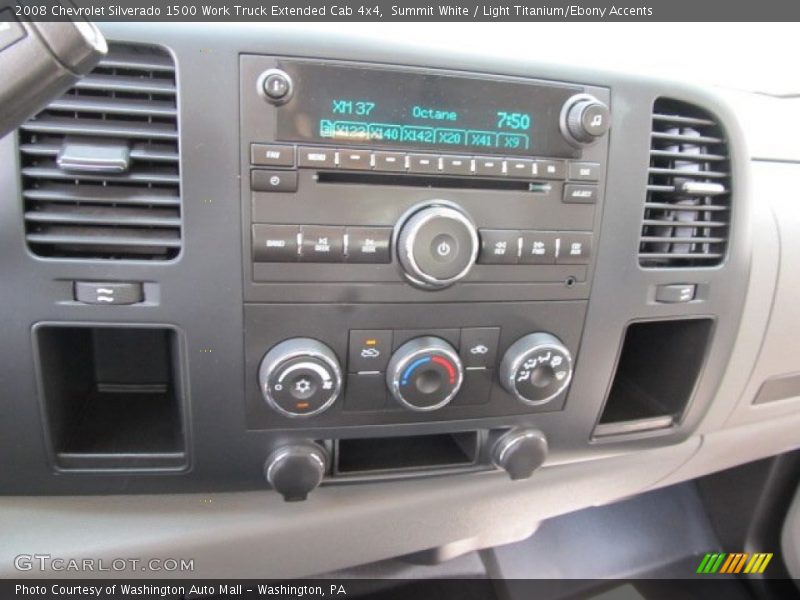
369 350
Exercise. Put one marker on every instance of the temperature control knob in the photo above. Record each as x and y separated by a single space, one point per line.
300 377
536 368
424 374
437 244
584 119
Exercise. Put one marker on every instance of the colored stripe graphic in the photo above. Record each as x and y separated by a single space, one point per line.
703 563
729 563
733 563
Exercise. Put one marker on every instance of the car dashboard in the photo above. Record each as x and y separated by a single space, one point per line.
431 297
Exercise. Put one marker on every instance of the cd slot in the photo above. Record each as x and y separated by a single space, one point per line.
432 181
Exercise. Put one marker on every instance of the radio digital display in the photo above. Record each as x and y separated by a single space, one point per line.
344 105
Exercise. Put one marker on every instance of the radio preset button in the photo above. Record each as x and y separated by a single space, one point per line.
584 171
354 159
262 180
369 244
320 158
499 246
489 166
549 169
456 165
389 161
275 243
423 163
574 249
322 243
538 247
519 167
575 193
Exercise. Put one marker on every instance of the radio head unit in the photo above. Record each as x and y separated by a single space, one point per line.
381 183
334 104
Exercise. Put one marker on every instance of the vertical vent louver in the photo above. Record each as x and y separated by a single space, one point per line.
688 208
100 165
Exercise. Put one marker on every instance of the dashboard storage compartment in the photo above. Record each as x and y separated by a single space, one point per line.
112 396
656 374
382 456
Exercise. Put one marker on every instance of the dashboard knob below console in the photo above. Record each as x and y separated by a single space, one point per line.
300 377
520 452
424 374
296 469
536 368
584 119
437 244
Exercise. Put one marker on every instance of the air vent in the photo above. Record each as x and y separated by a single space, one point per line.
688 207
100 165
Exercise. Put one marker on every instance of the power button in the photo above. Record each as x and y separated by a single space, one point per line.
275 85
444 247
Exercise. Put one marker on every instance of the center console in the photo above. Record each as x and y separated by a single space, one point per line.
419 243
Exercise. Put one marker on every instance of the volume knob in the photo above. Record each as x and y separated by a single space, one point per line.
437 244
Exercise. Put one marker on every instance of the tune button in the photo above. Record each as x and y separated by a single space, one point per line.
584 119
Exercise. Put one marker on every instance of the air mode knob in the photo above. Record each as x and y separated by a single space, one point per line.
424 374
520 452
300 377
296 469
584 119
536 368
437 244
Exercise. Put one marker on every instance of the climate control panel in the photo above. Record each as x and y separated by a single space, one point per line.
302 377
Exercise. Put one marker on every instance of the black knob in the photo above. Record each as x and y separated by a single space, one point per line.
437 244
584 119
297 469
300 377
275 86
520 452
424 374
536 368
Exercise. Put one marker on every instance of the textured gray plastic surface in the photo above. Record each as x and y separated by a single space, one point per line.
256 534
777 349
790 539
